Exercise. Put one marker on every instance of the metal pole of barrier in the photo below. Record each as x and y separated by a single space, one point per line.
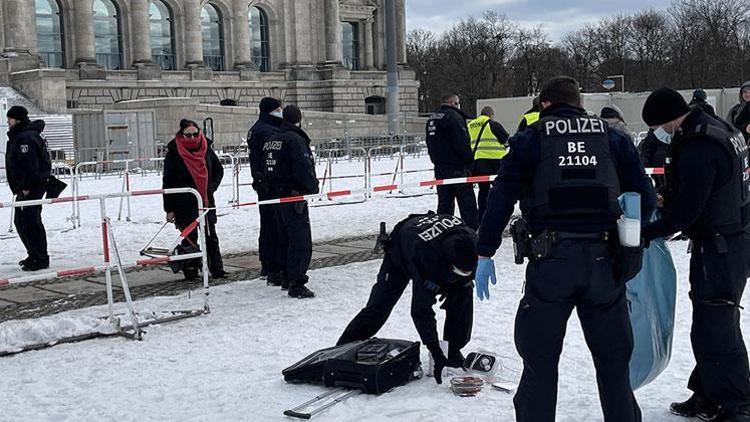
127 187
107 265
202 231
138 334
12 214
237 170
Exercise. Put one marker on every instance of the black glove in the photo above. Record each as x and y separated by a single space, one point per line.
440 361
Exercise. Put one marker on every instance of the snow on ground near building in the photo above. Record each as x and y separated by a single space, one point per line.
237 228
227 366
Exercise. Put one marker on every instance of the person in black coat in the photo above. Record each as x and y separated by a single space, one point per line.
739 115
27 167
267 126
654 153
700 100
449 147
437 252
290 171
191 163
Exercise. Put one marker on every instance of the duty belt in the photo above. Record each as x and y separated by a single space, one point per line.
604 236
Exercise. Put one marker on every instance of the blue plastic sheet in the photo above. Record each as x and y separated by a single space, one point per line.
651 299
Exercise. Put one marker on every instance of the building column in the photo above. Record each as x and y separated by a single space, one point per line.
141 31
84 32
333 31
19 26
193 34
241 34
401 31
369 52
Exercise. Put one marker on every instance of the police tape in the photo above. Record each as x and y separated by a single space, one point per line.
384 188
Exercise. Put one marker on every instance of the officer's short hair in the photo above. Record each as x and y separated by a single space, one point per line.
561 89
487 111
446 98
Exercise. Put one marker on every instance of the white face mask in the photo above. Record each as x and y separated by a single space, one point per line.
277 114
662 135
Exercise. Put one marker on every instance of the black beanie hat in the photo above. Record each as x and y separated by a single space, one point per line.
611 112
461 251
269 104
18 113
292 114
662 106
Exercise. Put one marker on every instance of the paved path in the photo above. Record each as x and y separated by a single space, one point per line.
47 298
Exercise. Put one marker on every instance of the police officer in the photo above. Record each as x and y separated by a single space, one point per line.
28 166
700 99
267 126
448 144
708 198
438 253
489 142
290 171
531 116
568 170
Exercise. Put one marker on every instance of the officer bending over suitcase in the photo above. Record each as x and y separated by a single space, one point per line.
438 253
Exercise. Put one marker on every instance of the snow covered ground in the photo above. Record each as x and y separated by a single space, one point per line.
227 366
237 228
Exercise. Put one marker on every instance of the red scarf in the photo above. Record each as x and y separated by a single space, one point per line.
193 153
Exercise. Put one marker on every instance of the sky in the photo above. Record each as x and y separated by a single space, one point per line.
557 16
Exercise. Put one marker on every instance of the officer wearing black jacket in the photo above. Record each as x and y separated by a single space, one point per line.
449 146
708 198
438 253
28 166
267 126
290 171
567 170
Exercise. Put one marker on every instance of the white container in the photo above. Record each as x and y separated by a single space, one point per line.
629 230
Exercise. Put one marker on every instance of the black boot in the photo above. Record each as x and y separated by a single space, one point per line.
275 279
220 273
33 264
22 262
694 407
190 273
301 292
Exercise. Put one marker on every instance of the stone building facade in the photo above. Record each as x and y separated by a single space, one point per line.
323 55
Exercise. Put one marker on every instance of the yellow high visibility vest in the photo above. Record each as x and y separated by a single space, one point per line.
531 118
489 147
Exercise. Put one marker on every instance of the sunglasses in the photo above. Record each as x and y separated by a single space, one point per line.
191 135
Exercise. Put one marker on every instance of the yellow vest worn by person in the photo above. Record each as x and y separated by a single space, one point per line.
530 118
489 148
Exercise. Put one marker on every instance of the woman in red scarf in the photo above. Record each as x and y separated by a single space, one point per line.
191 163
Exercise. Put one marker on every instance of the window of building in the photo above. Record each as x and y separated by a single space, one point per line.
49 33
258 22
213 43
161 25
375 105
107 34
350 45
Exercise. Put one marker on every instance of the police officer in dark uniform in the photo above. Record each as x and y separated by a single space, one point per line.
449 146
438 253
28 167
290 171
267 126
568 170
707 197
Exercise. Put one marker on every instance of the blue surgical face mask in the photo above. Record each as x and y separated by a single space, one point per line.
662 135
277 114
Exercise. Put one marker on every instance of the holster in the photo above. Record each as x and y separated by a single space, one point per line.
381 243
519 231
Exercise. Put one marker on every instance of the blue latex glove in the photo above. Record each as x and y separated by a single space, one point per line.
485 273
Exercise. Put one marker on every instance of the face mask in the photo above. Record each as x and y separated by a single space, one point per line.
662 135
277 114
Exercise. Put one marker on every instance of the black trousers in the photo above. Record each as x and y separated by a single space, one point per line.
576 274
484 191
387 291
268 241
295 241
213 252
28 222
448 195
717 281
484 167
